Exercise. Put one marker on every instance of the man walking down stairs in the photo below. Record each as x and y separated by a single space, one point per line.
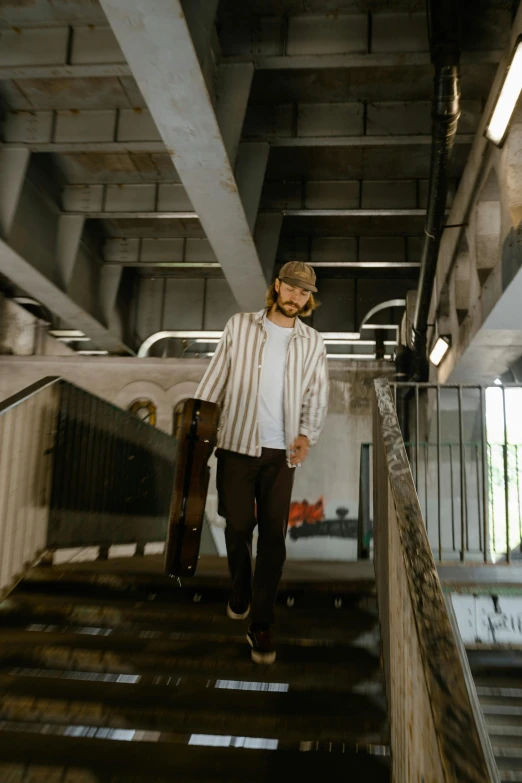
111 672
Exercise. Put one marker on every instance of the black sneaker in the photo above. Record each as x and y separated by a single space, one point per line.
262 644
237 612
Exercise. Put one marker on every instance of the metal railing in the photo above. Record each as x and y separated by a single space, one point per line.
505 497
112 475
463 446
436 734
77 471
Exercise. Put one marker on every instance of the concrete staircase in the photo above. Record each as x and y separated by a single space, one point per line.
498 680
111 674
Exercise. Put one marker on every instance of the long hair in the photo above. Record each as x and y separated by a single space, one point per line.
311 305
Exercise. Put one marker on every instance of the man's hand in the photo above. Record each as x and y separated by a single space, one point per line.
299 450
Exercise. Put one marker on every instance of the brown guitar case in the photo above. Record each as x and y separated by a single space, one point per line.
196 440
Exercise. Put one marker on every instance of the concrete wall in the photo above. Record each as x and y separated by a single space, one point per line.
23 334
331 472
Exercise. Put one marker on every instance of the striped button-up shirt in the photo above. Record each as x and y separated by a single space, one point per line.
233 378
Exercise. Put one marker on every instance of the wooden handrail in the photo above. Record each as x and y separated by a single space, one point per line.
434 731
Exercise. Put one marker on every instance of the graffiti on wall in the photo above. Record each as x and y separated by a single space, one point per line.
308 520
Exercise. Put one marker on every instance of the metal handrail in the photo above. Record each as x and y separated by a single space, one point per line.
25 394
112 474
76 470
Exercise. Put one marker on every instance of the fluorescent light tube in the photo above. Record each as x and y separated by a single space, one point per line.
507 99
70 334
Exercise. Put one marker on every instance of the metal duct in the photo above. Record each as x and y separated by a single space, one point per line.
444 33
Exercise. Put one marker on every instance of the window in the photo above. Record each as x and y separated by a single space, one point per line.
144 410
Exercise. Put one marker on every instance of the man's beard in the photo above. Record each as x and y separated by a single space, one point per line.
287 309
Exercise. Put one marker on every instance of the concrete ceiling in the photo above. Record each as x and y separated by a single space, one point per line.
316 112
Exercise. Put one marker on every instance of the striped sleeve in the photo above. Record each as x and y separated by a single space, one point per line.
212 386
315 401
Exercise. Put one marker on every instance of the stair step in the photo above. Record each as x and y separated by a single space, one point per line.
336 666
123 733
339 626
168 706
147 573
133 760
496 709
507 751
291 646
509 764
505 733
192 684
498 692
114 587
495 663
498 682
117 677
194 650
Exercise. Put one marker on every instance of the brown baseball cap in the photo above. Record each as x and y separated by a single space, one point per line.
298 273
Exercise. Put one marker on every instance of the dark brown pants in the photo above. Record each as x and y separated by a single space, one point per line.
244 483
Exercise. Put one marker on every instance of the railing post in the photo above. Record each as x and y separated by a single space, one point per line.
485 503
363 521
462 481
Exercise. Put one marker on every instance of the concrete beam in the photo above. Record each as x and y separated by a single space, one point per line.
314 62
324 119
83 71
138 215
361 141
154 147
110 279
157 251
13 168
37 285
277 194
147 215
353 212
251 165
155 38
232 92
324 124
70 229
267 232
97 70
200 16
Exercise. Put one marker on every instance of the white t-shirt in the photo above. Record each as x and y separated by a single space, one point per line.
271 389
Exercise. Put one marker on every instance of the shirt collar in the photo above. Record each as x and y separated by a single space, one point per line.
299 328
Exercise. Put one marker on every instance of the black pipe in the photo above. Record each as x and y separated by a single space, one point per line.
444 33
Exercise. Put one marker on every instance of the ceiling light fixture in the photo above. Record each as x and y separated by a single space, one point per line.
67 334
440 349
497 382
507 98
73 339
